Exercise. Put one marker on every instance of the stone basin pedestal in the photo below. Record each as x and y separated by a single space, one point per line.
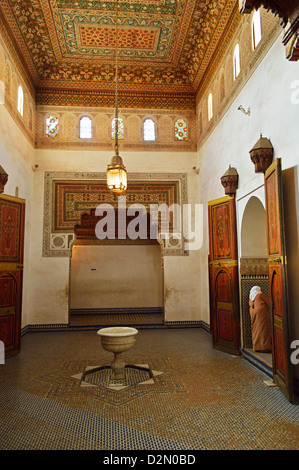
117 339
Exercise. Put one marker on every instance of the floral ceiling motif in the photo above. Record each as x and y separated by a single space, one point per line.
164 45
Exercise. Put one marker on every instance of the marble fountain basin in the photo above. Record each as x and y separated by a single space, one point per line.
118 339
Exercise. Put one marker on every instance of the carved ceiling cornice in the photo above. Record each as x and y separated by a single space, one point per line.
288 11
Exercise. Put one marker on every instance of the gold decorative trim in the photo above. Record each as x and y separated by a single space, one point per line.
272 167
224 263
12 198
221 200
11 267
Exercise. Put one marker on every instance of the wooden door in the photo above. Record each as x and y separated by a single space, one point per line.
12 213
223 275
282 371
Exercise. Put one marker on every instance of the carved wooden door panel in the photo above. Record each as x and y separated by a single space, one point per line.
12 213
282 371
223 275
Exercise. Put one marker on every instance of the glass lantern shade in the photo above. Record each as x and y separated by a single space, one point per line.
117 175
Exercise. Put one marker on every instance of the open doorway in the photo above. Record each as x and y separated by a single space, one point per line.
114 282
254 272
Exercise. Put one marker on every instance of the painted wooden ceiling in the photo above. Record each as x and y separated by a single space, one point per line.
164 46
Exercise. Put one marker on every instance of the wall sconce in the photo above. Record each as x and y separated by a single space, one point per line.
261 154
3 179
230 181
247 113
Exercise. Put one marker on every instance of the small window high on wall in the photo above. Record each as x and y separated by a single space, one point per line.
149 130
210 106
85 128
237 65
180 130
20 100
52 123
120 133
256 28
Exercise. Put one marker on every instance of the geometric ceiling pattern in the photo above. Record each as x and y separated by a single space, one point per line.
164 46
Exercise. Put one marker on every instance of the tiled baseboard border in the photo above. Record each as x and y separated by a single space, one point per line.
66 327
116 311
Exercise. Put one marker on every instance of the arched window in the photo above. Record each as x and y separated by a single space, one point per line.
256 28
20 100
180 130
210 106
237 66
52 123
149 130
200 123
121 127
85 128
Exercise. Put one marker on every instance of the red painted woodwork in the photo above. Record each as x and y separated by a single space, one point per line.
12 214
223 276
282 369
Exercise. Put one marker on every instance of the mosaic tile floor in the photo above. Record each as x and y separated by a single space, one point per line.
200 399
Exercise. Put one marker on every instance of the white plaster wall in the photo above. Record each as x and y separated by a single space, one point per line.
268 94
50 276
110 276
16 157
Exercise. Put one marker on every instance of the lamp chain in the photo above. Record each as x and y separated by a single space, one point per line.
116 77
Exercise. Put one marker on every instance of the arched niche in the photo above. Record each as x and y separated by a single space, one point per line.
253 263
254 230
115 275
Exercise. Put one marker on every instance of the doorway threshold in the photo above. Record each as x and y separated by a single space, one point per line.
263 361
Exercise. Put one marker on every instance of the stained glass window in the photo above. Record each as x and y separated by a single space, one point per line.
52 123
237 66
121 126
149 130
180 130
20 100
256 28
85 128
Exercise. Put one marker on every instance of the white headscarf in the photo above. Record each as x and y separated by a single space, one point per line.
254 291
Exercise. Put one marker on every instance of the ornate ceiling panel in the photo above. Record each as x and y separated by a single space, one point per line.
165 46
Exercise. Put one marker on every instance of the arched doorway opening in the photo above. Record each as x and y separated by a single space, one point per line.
254 272
114 281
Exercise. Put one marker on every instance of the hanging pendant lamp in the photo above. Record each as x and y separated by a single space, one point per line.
116 171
